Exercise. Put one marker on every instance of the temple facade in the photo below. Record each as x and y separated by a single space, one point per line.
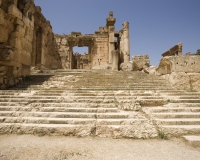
107 48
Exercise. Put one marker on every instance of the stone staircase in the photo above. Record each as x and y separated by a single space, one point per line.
98 103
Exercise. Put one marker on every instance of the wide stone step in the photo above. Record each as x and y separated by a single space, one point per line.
13 103
13 100
178 121
47 120
193 140
88 110
49 129
178 130
75 105
184 105
177 109
136 130
129 121
63 114
184 101
112 131
176 115
57 109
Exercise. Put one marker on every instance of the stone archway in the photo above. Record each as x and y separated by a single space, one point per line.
78 61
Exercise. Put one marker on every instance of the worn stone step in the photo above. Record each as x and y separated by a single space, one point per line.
185 105
64 109
185 101
176 115
13 103
49 129
57 109
126 121
47 120
178 121
174 109
75 105
135 130
178 130
193 140
63 114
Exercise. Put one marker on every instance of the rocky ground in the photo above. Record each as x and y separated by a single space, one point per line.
38 147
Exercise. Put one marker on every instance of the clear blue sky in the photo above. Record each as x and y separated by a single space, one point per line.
155 25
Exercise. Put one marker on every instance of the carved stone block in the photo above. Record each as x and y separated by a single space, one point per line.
13 10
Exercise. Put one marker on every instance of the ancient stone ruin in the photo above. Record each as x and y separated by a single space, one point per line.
174 51
66 93
107 48
182 71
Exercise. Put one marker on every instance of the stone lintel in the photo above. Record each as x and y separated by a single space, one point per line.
177 49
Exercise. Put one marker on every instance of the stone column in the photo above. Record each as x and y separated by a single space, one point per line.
115 59
126 42
111 42
70 57
78 62
110 23
121 59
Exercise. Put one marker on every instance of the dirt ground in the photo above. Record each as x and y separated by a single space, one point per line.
30 147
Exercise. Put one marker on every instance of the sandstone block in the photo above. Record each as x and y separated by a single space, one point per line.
26 45
19 22
13 10
28 22
188 64
15 42
151 70
140 62
1 17
126 66
20 29
185 81
4 34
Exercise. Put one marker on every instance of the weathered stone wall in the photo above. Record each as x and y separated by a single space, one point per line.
182 72
187 64
45 50
19 38
185 81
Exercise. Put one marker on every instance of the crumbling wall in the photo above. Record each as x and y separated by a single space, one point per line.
18 39
183 72
187 64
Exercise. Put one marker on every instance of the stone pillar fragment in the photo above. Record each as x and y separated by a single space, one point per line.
110 22
126 42
115 59
70 57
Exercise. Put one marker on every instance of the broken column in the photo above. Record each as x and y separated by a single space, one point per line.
115 59
110 22
126 42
